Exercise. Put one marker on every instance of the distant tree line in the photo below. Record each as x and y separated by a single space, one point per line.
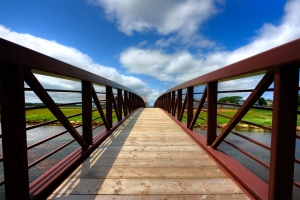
230 99
236 99
260 102
28 104
34 104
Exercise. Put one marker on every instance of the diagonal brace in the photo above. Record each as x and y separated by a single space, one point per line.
200 105
120 102
115 106
125 106
38 89
99 107
183 107
262 86
174 108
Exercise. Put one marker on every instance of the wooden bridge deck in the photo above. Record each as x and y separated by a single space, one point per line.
148 157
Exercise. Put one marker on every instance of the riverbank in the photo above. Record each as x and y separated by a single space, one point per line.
262 117
44 115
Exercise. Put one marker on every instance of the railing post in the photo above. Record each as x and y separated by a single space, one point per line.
125 107
211 119
173 103
179 103
164 102
109 105
120 102
157 103
129 102
283 132
134 102
14 142
169 102
86 96
190 105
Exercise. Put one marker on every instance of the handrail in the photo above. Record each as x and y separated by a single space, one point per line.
45 65
17 64
254 65
280 66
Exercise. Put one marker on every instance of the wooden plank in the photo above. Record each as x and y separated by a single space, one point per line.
145 172
152 148
136 154
157 197
140 143
149 162
150 186
144 158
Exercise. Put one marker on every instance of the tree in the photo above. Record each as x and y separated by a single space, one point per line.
261 101
230 99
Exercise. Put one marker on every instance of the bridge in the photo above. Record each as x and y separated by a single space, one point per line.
127 151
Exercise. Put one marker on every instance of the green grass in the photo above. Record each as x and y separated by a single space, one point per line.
44 114
262 117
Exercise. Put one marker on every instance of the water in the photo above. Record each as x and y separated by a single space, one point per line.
37 152
41 133
257 151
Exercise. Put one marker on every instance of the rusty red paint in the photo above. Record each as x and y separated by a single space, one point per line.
251 184
13 56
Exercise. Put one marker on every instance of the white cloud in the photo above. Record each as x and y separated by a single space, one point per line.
176 68
72 56
182 66
184 41
165 17
152 95
181 19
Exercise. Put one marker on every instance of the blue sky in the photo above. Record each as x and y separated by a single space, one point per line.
150 45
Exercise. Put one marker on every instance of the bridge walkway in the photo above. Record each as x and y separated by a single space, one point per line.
148 157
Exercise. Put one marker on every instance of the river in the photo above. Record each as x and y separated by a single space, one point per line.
259 152
38 134
37 152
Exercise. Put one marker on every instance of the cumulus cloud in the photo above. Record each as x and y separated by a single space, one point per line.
165 17
153 94
182 65
177 67
72 56
183 41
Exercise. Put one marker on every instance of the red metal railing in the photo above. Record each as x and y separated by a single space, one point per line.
17 66
280 67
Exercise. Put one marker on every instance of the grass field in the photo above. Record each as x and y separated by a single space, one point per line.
263 117
43 115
